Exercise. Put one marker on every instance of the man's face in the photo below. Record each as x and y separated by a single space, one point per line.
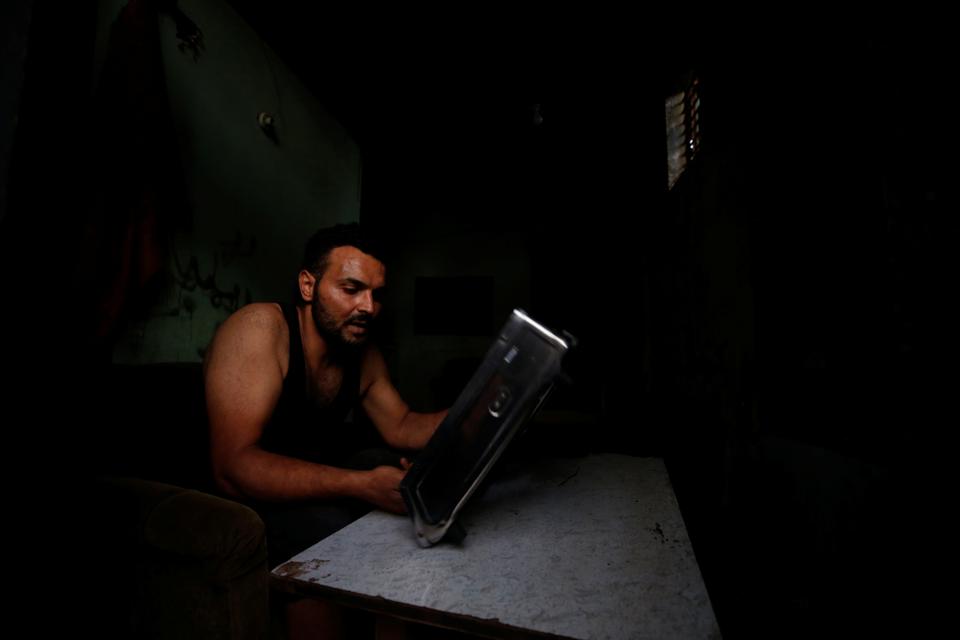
346 298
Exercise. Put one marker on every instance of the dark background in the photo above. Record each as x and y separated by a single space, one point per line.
775 326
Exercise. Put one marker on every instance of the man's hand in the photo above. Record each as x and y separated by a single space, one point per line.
383 487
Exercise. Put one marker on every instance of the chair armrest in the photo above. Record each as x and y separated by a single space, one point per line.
182 562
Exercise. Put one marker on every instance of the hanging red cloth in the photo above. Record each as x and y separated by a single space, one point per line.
142 189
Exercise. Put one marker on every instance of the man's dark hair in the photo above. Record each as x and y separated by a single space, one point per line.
316 255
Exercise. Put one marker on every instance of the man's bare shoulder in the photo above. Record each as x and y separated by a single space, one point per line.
262 319
263 315
255 328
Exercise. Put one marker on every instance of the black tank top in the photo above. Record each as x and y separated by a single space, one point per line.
298 426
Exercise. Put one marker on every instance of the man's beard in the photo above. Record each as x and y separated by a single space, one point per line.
336 334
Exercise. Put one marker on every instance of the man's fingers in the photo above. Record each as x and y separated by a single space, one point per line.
398 505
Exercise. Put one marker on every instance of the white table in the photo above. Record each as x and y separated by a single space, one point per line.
583 548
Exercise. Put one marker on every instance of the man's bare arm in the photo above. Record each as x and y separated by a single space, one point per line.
244 378
271 477
400 427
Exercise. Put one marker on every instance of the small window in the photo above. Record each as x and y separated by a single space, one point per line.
682 113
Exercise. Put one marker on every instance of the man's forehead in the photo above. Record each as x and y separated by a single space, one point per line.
350 262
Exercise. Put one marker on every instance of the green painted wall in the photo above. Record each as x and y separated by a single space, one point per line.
254 201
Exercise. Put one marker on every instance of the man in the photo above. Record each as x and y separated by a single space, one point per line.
281 383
